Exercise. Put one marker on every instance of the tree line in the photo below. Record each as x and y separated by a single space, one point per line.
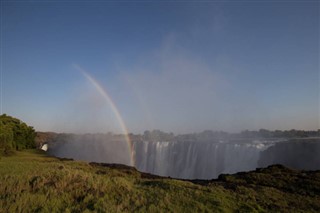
207 135
15 134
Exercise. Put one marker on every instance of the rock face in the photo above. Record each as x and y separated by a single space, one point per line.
297 154
196 160
45 137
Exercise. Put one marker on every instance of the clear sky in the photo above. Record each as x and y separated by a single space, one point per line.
175 66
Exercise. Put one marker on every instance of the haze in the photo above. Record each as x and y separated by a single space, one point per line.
175 66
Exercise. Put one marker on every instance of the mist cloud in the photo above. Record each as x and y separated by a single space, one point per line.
177 88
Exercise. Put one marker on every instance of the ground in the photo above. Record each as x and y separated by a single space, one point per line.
31 181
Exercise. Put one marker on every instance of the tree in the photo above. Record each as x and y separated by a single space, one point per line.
15 134
6 136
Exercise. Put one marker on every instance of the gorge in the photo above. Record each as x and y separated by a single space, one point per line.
189 158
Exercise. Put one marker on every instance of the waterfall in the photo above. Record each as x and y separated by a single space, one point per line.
196 160
189 159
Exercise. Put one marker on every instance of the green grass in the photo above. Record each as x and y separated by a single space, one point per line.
31 181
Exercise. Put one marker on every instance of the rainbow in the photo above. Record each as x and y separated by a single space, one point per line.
103 92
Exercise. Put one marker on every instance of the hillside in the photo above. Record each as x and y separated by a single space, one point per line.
31 181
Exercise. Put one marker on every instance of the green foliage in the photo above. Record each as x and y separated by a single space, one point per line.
15 134
31 181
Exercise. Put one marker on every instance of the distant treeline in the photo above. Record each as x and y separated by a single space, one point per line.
15 134
205 136
157 135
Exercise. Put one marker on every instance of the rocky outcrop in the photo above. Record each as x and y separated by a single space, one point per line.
295 153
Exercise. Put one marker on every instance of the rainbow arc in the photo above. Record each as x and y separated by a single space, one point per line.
103 92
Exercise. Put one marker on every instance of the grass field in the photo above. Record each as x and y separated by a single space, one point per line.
31 181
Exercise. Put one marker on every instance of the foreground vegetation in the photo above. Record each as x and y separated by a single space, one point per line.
15 135
31 181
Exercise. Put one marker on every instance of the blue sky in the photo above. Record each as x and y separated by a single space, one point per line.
174 66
